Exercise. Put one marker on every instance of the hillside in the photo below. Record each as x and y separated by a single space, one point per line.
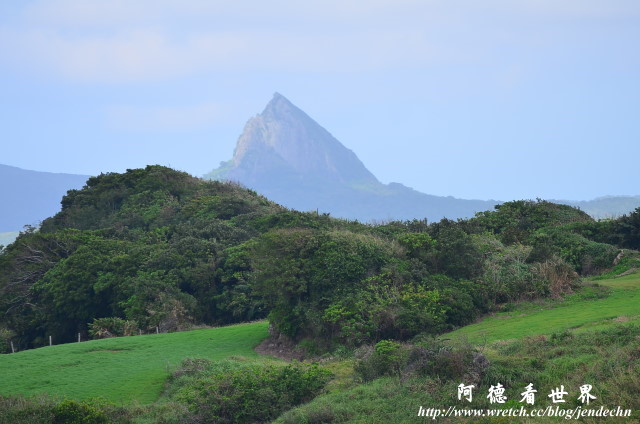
540 349
121 245
588 337
155 247
29 197
155 250
138 366
606 304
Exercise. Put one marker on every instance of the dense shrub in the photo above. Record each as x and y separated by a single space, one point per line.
555 276
513 222
430 357
142 246
386 358
46 410
385 308
626 262
228 392
19 410
627 230
74 412
298 272
102 328
585 256
163 249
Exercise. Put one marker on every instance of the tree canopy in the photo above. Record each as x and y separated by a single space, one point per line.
159 248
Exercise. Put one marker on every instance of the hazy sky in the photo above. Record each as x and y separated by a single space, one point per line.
497 99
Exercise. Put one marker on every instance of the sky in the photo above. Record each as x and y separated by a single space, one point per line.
498 99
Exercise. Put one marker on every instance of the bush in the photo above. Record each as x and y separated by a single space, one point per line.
19 410
238 393
386 358
585 256
427 358
102 328
556 276
47 410
73 412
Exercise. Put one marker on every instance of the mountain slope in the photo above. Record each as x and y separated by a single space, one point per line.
28 197
283 142
290 158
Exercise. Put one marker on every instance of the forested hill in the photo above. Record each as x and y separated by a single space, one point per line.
157 248
153 246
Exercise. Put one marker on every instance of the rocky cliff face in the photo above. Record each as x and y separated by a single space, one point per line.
284 142
291 159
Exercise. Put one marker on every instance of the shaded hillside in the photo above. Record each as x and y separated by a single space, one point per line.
158 250
155 247
28 197
287 156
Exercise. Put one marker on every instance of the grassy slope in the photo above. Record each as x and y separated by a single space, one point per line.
90 369
121 369
599 353
576 312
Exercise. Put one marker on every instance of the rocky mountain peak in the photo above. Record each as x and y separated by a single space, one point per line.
288 157
283 136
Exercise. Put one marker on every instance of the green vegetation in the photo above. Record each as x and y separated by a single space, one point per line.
156 250
541 350
591 307
234 393
122 369
153 246
607 359
227 383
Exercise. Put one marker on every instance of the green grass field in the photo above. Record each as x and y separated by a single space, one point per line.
131 370
600 348
123 369
577 312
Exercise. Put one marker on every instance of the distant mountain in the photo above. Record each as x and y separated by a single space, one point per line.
291 159
284 142
606 206
28 197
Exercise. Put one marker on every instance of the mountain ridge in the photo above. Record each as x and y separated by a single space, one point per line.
290 158
287 156
31 196
270 143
